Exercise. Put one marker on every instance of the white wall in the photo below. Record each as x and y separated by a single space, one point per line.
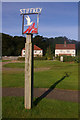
23 53
36 52
67 51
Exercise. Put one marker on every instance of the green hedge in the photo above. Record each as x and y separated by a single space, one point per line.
21 58
77 59
68 58
71 59
40 58
35 58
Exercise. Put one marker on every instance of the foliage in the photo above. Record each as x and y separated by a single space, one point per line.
13 107
12 46
40 58
68 58
49 54
35 58
77 59
57 58
71 59
21 58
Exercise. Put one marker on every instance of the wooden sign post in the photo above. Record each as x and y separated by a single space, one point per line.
29 29
28 72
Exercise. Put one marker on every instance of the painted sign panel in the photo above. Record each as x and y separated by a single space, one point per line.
30 24
30 20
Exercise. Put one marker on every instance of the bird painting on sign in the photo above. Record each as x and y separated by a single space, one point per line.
29 25
28 21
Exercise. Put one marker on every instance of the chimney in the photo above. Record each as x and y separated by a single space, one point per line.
64 43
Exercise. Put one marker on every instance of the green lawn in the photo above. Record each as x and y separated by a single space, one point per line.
13 107
12 79
45 78
6 60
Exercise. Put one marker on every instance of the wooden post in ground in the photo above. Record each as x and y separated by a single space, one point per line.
28 72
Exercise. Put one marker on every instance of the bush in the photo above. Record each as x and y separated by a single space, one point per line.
68 58
77 59
21 58
35 58
49 54
57 57
40 58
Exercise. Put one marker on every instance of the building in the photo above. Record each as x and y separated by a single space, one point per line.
37 51
65 49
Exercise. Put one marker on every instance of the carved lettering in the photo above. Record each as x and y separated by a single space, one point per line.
27 10
21 11
30 10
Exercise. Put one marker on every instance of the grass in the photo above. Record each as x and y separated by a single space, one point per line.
13 107
13 79
45 78
41 63
6 60
14 65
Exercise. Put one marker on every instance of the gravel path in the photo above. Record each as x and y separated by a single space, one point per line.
58 94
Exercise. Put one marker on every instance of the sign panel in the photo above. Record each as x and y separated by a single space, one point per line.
30 22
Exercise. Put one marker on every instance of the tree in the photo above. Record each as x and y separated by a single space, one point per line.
49 54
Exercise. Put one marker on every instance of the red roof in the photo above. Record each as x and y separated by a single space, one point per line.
65 46
23 49
35 48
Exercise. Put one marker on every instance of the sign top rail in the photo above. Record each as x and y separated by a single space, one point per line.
30 11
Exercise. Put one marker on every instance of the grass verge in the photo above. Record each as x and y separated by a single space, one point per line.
13 107
45 78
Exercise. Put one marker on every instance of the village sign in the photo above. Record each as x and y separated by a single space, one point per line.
29 27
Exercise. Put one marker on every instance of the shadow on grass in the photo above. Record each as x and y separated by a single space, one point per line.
50 89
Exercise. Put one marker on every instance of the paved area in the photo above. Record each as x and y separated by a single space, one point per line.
58 94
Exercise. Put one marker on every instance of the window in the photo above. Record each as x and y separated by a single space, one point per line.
61 51
68 51
35 51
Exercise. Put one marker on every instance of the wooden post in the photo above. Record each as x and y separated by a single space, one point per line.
28 72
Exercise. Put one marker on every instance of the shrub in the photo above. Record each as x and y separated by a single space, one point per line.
68 58
57 57
21 58
77 59
35 58
40 58
49 54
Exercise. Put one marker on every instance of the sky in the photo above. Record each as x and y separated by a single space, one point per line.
56 19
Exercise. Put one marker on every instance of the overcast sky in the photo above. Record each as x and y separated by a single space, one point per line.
56 19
